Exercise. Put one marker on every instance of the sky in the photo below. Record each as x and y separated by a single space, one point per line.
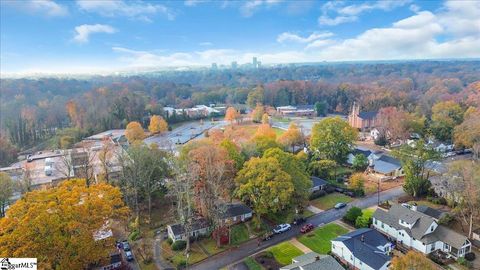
88 36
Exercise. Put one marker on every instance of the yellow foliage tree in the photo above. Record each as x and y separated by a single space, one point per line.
265 130
412 261
265 119
357 181
258 113
292 137
58 225
134 132
157 124
231 115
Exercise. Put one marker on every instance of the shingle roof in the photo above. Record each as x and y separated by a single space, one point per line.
309 261
318 181
367 115
236 209
434 213
363 244
197 224
357 151
386 164
419 230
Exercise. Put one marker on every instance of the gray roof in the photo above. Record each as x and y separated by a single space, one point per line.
236 209
197 224
367 115
309 261
357 151
422 223
434 213
316 182
386 164
364 243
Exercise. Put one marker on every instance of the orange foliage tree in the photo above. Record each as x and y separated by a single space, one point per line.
157 124
412 260
231 115
292 137
58 225
134 132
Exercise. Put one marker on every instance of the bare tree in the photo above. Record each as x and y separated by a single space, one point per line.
105 155
83 161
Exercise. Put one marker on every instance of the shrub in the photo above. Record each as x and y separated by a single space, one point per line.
134 235
329 189
182 264
381 141
446 219
352 215
464 262
363 222
470 256
179 245
360 162
169 241
317 194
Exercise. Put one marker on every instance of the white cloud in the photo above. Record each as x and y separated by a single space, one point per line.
45 7
350 13
291 37
192 3
250 7
83 32
134 10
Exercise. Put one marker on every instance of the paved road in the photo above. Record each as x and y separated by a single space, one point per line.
249 248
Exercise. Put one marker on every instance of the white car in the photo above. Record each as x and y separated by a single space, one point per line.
282 228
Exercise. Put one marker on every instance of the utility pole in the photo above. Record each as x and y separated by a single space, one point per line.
378 193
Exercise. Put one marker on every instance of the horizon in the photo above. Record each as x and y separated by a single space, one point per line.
45 38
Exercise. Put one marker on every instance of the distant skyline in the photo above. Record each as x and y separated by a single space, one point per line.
88 36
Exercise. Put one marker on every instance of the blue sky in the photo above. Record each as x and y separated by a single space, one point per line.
93 36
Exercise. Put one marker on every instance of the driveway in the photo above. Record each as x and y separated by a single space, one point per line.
249 248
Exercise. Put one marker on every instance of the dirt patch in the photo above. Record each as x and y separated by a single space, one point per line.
371 183
267 260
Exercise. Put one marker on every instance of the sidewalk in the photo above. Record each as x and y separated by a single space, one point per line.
300 246
314 209
157 254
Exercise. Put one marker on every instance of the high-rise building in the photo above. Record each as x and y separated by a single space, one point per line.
254 62
214 66
234 65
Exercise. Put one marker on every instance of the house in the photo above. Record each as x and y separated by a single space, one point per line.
313 261
318 184
388 166
365 152
200 226
364 249
416 230
429 211
362 120
236 212
300 110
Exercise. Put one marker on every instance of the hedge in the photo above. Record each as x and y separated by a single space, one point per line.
179 245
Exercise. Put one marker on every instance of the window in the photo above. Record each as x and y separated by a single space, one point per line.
351 257
431 229
382 225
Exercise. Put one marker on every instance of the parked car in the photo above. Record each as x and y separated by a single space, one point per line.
282 228
299 220
129 255
307 227
126 246
340 205
339 190
349 193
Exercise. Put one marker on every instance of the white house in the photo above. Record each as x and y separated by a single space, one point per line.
317 184
177 232
419 231
236 213
364 249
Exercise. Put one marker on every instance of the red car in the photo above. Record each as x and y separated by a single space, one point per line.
307 227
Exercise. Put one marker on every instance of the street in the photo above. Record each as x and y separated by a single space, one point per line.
249 248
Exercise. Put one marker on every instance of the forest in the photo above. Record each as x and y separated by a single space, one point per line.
36 112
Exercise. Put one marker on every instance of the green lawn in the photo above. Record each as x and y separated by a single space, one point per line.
368 212
285 252
239 234
319 239
329 201
177 257
307 213
252 264
210 245
278 131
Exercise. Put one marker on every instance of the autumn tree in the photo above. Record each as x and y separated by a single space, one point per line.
321 168
462 184
157 125
233 152
231 115
257 113
258 145
265 119
393 123
264 185
332 138
413 261
414 160
265 130
467 134
292 137
134 132
297 171
6 191
445 116
58 225
357 182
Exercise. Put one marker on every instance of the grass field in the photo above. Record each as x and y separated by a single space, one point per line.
285 252
328 201
239 234
210 245
319 239
252 264
278 131
177 257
